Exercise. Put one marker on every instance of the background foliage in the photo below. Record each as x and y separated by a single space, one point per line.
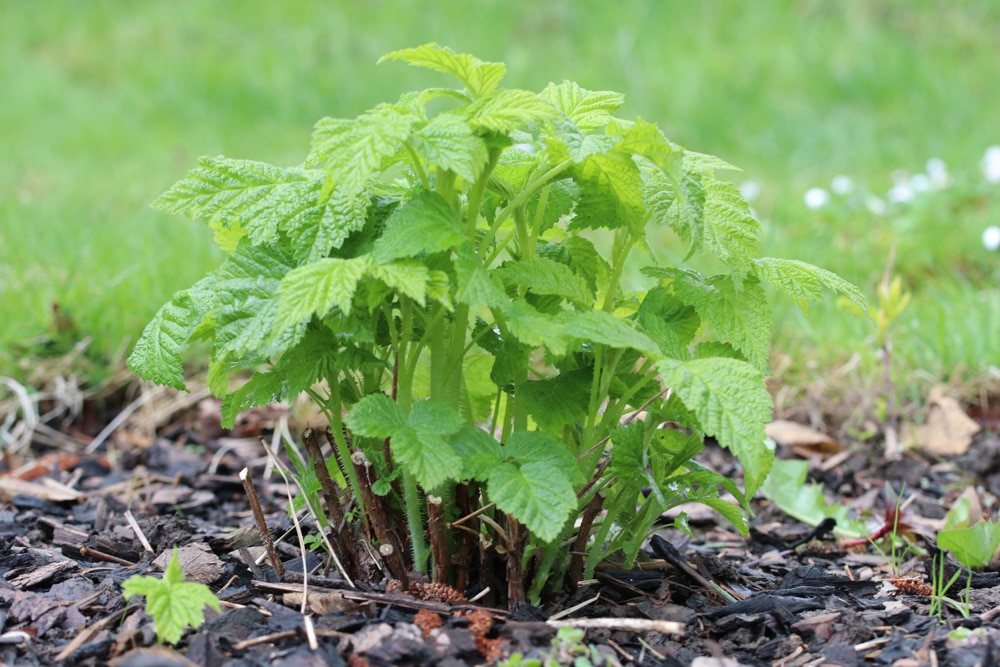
104 104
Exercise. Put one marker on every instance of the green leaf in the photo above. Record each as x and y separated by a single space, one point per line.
157 353
669 321
447 142
479 451
731 231
174 604
480 78
263 388
787 488
597 326
507 110
422 446
538 495
731 403
315 288
375 416
352 151
803 282
741 316
535 447
677 199
557 401
546 277
535 328
646 139
974 545
476 287
588 109
407 277
426 223
610 192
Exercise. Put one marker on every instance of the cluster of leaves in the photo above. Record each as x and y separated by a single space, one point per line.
430 277
174 604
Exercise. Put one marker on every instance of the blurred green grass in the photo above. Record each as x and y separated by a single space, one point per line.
104 104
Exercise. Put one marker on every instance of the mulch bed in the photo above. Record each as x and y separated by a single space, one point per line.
74 525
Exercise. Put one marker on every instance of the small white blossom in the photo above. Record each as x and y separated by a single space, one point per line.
817 198
991 238
920 182
841 184
875 205
991 164
750 190
937 171
901 193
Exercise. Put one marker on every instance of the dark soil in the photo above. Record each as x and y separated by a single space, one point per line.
786 595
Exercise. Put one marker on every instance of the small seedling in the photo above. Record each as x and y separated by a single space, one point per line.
174 604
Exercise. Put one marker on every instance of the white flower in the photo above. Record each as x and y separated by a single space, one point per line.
817 198
920 182
750 190
937 170
991 237
875 205
841 184
990 164
901 193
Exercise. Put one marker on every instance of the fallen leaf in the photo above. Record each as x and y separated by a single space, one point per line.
948 431
803 440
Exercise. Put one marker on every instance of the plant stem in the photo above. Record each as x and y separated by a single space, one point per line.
438 539
377 518
414 522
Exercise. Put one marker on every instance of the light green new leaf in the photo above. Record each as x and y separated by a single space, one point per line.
430 417
973 546
570 141
480 78
677 199
646 139
534 328
352 151
509 109
536 494
476 287
157 353
588 109
174 604
610 192
804 282
731 403
479 451
597 326
315 288
543 276
407 277
787 488
423 446
731 231
426 223
447 142
375 416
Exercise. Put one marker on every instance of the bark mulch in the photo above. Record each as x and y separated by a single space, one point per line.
75 523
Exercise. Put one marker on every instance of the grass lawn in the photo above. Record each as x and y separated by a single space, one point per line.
104 104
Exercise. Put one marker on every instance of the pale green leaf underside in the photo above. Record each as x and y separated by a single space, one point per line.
508 110
315 288
588 109
447 142
480 78
597 326
731 403
543 276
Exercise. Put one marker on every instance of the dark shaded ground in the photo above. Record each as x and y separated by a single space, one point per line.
66 546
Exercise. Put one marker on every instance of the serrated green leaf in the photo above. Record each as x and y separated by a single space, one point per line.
508 110
476 287
588 109
706 163
534 328
447 142
430 417
407 277
669 321
557 401
546 277
423 447
731 403
597 326
740 316
646 139
480 78
174 604
535 447
257 199
628 455
677 199
804 282
263 388
426 223
479 451
538 495
731 232
352 151
315 288
610 192
157 353
375 416
569 141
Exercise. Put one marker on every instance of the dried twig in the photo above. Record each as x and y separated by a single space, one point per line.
258 515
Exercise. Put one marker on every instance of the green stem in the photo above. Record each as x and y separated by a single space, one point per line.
337 430
421 172
622 247
414 522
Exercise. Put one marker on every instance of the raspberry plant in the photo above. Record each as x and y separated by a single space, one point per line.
430 278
